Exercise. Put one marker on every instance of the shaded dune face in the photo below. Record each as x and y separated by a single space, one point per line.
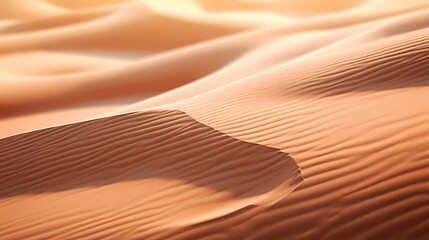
133 175
403 63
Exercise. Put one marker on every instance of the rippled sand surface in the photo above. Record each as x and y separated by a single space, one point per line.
214 119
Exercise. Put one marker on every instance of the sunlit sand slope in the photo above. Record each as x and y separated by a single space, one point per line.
357 127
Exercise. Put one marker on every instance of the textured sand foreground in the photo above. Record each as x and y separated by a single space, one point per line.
156 169
214 119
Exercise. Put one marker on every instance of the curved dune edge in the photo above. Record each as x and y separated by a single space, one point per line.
133 175
356 124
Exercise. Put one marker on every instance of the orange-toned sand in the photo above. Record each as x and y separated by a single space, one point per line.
214 119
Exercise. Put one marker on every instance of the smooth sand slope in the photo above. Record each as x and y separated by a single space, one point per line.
200 119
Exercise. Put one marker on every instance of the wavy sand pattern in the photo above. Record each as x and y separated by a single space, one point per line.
200 119
123 168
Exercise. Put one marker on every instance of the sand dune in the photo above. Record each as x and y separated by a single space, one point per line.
149 155
195 119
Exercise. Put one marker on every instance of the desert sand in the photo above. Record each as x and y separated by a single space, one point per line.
214 119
